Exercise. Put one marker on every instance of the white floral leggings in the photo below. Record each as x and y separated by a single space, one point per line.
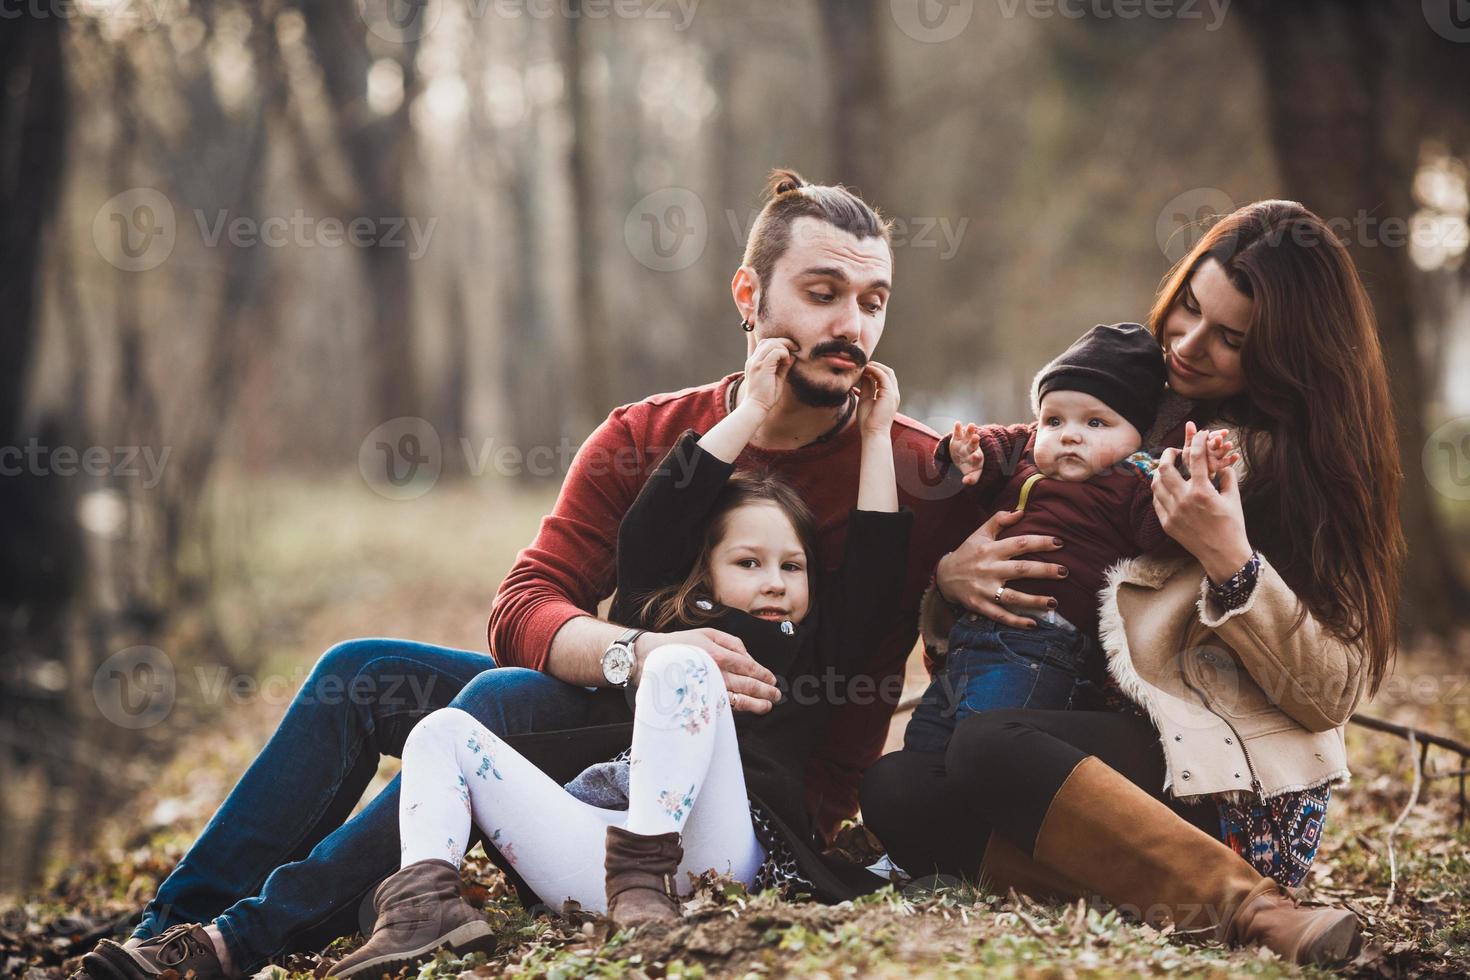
684 776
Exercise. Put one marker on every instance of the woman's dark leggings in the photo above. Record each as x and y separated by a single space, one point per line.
935 811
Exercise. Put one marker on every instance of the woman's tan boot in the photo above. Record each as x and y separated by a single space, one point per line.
420 909
1005 866
640 877
1115 840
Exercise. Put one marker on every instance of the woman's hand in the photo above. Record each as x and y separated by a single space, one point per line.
765 371
1208 523
972 574
877 399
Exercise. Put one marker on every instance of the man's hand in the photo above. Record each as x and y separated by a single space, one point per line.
973 573
965 452
751 687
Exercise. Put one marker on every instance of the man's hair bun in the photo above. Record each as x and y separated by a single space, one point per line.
783 181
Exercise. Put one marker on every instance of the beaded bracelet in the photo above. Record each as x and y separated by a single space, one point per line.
1236 590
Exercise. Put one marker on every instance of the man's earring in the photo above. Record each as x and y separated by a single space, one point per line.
746 325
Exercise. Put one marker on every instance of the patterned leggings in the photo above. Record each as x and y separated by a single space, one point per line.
684 776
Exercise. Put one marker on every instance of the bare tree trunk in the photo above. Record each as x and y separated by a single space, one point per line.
529 373
1346 149
854 30
40 554
377 150
594 398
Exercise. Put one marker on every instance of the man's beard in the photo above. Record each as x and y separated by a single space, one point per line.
813 394
809 391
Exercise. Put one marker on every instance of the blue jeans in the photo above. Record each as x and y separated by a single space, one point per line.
993 666
277 866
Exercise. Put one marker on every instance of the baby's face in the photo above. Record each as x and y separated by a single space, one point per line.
1078 436
759 565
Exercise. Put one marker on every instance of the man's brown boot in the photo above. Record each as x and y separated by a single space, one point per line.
180 948
420 909
1114 839
640 877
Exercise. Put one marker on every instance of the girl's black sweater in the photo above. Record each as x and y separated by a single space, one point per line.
815 665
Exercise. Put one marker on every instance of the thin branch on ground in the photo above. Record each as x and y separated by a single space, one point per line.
1393 871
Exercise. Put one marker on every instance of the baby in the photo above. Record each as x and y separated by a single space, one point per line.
1076 474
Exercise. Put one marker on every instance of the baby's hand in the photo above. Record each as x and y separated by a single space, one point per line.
1219 450
965 452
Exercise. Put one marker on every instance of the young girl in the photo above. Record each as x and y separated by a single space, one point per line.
702 546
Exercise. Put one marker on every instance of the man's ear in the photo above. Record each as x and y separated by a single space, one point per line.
745 289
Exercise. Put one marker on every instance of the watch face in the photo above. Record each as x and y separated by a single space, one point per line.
617 665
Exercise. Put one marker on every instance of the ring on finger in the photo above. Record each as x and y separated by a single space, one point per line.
998 593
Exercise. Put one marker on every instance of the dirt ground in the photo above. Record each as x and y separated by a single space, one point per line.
355 589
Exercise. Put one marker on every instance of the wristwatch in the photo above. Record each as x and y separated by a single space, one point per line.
617 659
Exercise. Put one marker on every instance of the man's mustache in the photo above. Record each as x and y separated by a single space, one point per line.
839 348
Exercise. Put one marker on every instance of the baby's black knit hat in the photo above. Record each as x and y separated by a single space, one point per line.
1119 364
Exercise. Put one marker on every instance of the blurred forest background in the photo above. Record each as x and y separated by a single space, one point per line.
247 246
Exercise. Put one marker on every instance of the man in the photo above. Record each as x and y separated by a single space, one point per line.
277 869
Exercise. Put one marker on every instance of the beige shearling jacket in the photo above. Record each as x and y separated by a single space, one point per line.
1250 701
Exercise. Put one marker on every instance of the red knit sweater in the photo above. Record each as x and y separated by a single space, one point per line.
570 567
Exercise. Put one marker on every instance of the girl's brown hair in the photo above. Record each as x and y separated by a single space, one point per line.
675 605
1323 491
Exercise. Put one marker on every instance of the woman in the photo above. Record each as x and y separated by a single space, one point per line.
701 547
1198 785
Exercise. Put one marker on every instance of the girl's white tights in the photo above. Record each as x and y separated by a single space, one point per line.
685 776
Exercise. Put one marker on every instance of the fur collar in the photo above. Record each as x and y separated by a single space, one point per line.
1148 572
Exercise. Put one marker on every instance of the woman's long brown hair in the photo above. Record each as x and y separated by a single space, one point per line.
676 605
1321 499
